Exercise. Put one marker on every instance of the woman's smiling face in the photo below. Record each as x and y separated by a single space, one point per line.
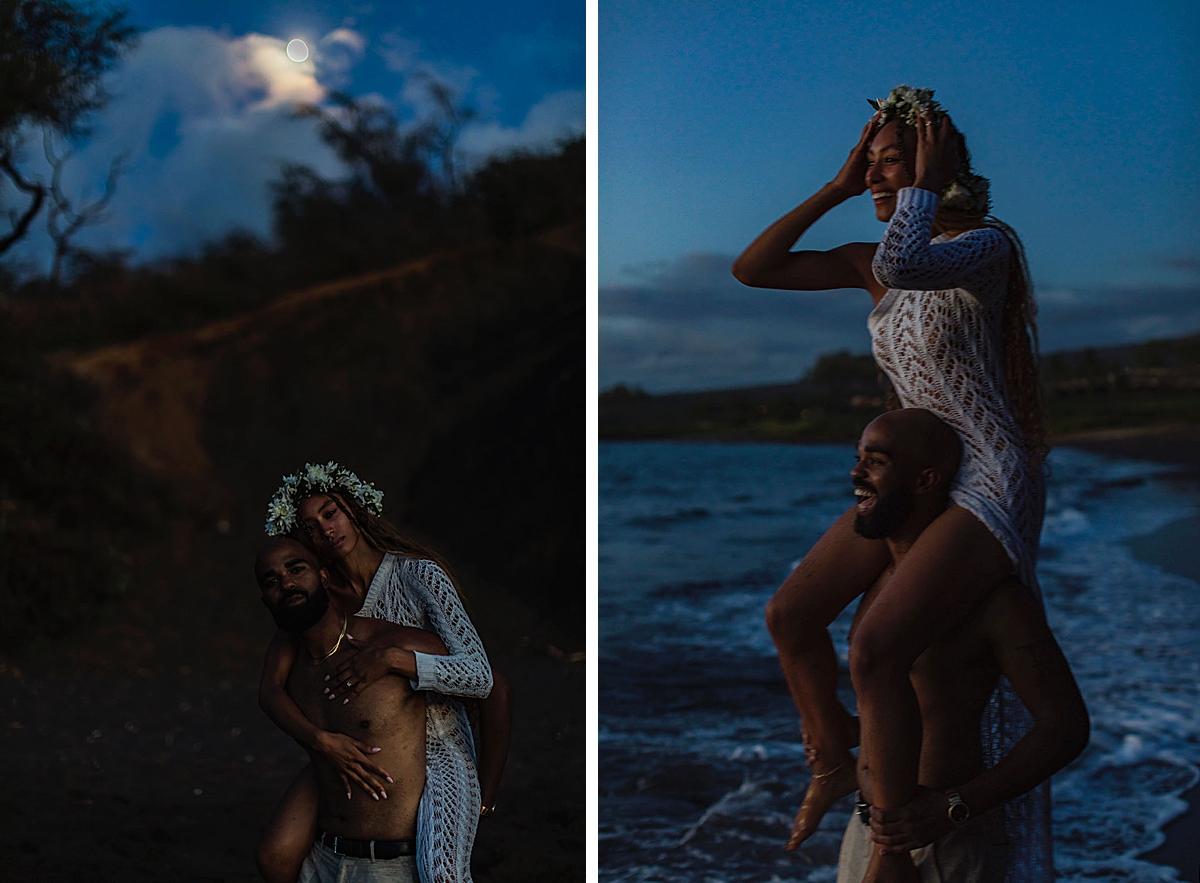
328 526
887 167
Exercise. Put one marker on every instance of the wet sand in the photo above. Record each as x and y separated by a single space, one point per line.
135 750
1173 548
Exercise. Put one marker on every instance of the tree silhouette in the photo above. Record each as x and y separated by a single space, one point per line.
52 57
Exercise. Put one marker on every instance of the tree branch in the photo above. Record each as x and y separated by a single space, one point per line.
60 206
37 190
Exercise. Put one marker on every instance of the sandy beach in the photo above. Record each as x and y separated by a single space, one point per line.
1173 548
134 750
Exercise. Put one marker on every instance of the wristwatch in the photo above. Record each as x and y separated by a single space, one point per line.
958 811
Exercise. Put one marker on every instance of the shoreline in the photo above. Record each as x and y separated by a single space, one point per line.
1181 849
1175 445
1171 547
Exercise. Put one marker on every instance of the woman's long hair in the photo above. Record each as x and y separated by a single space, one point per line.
382 536
1019 324
1019 330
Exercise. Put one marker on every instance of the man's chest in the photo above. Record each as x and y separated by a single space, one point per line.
372 712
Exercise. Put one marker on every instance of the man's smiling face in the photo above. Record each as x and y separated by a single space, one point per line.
884 489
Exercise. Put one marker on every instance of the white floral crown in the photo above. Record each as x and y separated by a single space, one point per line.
968 192
317 479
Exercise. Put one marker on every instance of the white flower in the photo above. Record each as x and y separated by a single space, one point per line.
317 478
908 104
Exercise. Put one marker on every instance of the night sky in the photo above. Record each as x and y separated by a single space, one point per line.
715 120
202 106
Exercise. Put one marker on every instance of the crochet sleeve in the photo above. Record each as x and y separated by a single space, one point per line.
907 260
465 671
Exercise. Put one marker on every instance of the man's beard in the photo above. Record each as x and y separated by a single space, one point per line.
301 617
887 515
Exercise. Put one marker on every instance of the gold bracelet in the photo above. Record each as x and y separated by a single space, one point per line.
485 811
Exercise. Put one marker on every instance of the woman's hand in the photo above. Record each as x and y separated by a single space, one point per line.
851 180
939 154
370 662
351 759
913 825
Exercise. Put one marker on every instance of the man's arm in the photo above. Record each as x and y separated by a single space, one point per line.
1031 659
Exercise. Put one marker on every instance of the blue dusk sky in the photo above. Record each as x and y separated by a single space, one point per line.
716 118
202 106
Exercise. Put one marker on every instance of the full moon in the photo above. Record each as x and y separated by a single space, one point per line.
297 50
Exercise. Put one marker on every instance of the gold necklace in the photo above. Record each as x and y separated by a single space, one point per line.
345 624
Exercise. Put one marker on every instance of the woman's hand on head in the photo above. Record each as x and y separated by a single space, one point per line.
352 760
939 154
371 661
851 179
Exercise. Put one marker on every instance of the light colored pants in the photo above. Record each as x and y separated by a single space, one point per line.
975 853
323 865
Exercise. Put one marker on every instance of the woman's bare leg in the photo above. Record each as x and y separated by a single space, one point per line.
950 568
290 836
840 567
495 730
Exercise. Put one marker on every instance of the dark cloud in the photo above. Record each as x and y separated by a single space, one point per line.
689 324
1189 263
1074 318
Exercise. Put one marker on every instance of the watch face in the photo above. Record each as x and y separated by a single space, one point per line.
959 813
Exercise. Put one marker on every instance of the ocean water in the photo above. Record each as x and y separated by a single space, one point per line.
701 769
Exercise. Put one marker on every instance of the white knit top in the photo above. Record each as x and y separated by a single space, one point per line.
416 592
937 334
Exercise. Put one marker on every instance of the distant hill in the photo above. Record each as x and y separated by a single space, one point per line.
454 382
833 401
1136 385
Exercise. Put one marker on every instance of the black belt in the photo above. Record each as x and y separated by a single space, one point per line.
372 849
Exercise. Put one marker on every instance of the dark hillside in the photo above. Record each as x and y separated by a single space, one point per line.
454 383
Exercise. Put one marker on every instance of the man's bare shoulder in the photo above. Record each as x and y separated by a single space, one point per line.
368 629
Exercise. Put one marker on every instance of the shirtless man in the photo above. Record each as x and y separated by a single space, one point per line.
906 462
360 840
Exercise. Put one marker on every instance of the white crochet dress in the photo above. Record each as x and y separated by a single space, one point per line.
937 335
416 592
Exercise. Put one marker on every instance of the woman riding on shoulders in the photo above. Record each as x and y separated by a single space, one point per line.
953 329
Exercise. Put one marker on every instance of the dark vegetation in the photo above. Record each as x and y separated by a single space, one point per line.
52 57
395 204
72 506
1156 383
493 308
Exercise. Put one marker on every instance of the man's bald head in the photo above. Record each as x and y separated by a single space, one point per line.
906 462
919 440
